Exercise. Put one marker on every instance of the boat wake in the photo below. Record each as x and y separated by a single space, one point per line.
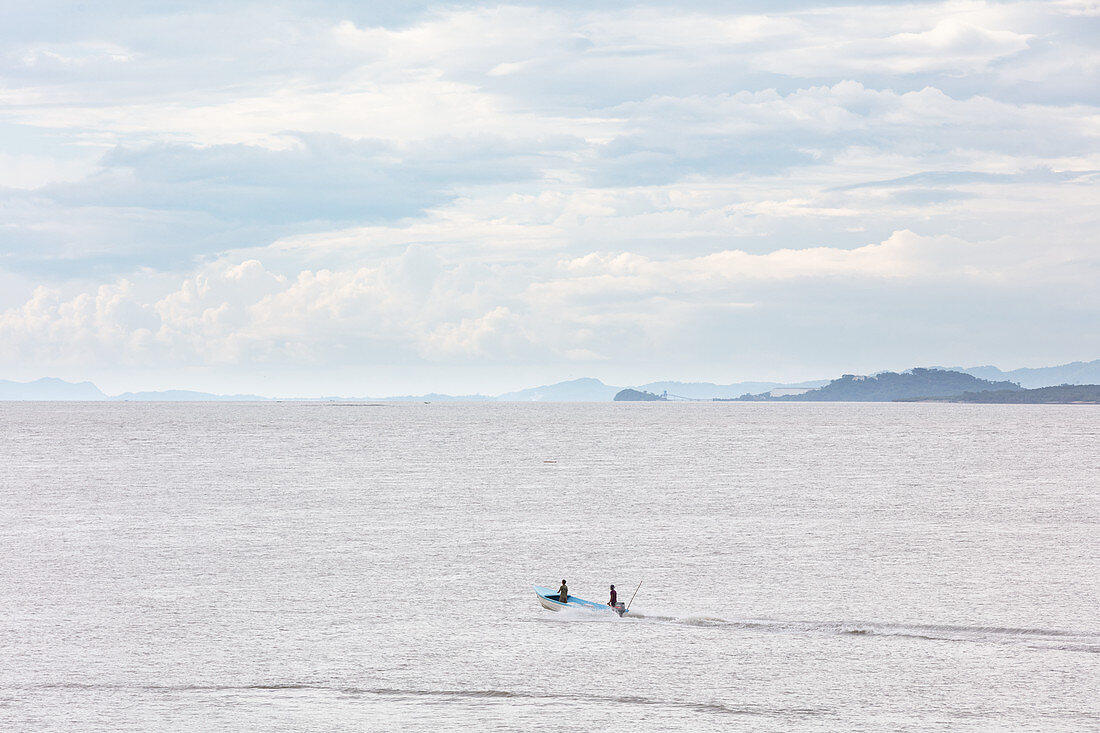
1036 638
582 613
1052 639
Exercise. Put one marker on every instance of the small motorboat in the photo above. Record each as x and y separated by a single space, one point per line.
550 599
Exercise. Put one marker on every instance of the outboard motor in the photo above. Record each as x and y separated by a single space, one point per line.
619 608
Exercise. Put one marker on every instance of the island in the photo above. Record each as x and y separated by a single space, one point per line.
1065 394
917 383
635 395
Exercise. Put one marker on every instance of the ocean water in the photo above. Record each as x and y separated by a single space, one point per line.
320 567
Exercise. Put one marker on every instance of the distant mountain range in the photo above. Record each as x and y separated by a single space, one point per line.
585 389
50 388
892 386
1077 372
184 395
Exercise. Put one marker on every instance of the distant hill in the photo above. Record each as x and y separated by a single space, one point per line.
430 397
887 386
892 386
634 395
585 389
185 395
49 388
1062 394
1078 372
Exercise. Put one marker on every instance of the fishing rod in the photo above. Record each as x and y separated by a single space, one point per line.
635 593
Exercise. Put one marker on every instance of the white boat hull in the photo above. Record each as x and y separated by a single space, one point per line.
548 599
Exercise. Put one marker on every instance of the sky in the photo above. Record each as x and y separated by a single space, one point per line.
318 198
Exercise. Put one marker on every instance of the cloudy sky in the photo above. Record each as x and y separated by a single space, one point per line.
390 197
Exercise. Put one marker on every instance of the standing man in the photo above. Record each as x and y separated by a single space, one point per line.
614 596
563 592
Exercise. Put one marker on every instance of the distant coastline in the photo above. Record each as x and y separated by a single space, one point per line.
891 387
934 385
1065 394
988 383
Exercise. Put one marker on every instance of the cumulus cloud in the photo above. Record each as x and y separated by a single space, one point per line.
54 57
953 45
597 306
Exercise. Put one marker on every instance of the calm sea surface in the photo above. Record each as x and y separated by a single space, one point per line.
323 567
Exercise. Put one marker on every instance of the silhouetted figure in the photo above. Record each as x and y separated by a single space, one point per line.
563 592
614 596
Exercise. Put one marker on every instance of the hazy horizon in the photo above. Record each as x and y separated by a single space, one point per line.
117 391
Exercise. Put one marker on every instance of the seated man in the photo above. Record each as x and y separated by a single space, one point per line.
563 592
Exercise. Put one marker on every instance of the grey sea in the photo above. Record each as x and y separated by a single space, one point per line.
327 567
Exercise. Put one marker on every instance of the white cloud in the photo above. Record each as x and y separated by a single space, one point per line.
496 335
951 44
1078 7
239 312
435 77
35 171
74 55
525 184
